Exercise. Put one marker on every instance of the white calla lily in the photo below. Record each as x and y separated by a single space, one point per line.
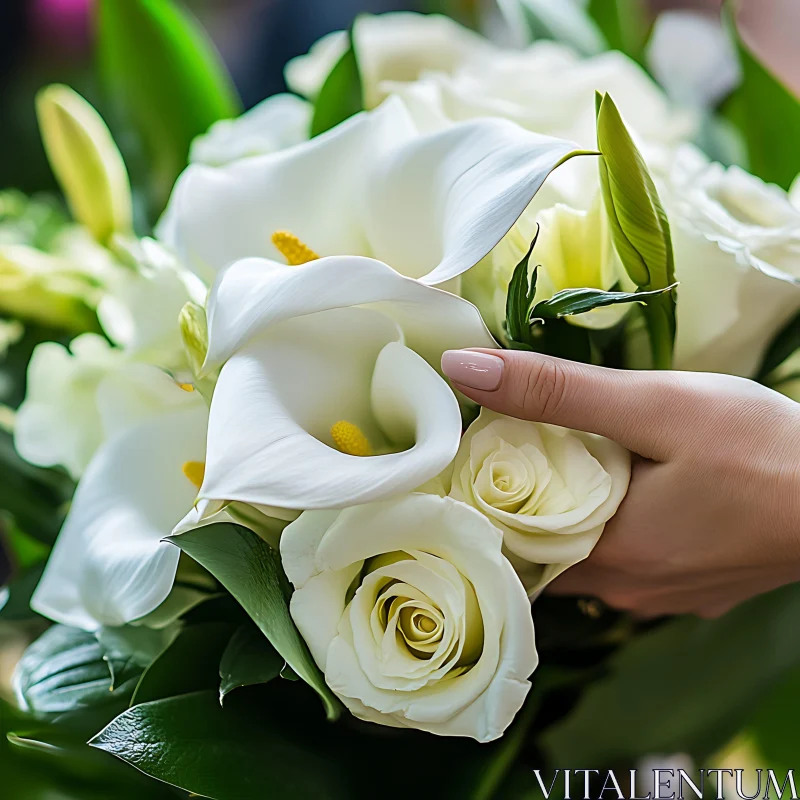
109 565
430 204
339 340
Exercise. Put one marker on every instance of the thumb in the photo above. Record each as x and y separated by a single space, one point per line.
640 410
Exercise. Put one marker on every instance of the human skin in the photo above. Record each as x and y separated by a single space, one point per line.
712 516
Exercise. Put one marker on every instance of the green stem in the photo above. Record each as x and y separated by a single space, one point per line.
659 315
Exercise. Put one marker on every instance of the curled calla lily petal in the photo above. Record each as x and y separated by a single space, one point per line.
270 440
109 565
413 614
254 294
430 203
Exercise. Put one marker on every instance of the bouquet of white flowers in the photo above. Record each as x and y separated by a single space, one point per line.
277 492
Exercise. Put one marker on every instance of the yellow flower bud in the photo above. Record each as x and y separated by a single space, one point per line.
86 162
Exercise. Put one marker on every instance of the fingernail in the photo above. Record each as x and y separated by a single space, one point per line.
473 369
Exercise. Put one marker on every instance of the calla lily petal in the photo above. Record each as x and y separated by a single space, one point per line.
253 294
269 440
430 203
109 565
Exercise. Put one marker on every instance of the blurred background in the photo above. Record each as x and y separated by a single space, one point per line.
45 41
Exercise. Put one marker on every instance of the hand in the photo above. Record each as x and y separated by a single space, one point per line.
712 516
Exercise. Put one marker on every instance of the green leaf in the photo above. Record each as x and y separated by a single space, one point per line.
191 663
519 300
251 571
687 686
248 660
194 744
639 225
772 728
625 24
53 762
161 68
341 95
564 21
767 113
783 345
67 668
568 302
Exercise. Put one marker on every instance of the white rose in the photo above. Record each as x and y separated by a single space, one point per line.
737 258
396 46
549 489
280 121
413 614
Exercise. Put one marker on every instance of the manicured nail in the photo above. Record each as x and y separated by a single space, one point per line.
473 369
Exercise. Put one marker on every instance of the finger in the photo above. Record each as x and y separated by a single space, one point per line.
644 411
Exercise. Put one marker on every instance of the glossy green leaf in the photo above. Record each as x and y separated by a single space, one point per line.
783 345
768 115
251 571
52 762
519 301
687 686
248 660
190 663
341 95
625 24
163 72
639 225
67 668
223 753
569 302
564 21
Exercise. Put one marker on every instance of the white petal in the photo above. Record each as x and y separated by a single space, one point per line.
730 304
58 421
277 398
280 121
254 294
482 702
595 470
109 565
438 205
395 46
315 191
428 204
